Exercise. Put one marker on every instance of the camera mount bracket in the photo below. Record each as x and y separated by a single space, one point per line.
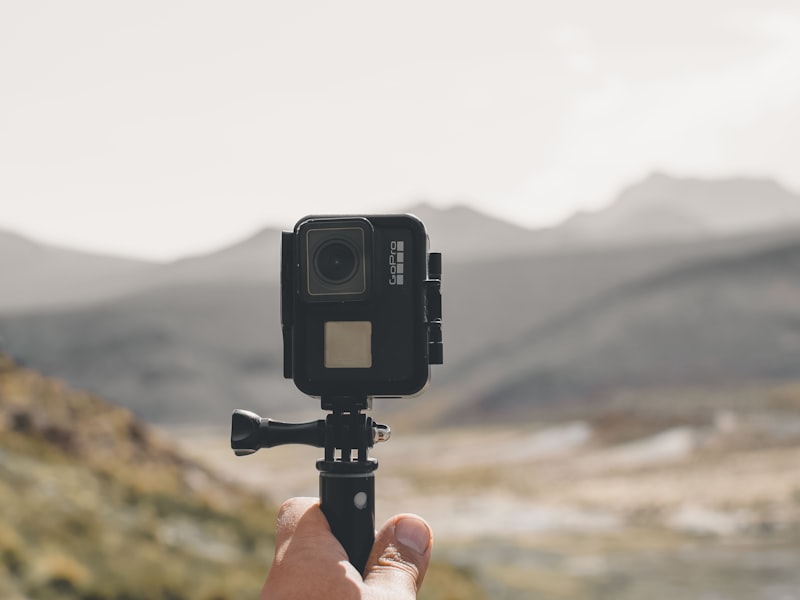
346 482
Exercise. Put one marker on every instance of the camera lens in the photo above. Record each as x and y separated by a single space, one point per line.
336 261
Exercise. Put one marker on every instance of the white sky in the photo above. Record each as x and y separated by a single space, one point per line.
163 128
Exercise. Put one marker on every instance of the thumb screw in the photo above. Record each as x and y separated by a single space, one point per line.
380 433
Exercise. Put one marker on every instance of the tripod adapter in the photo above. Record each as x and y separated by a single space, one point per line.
346 481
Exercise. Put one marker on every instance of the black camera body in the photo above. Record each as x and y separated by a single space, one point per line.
360 306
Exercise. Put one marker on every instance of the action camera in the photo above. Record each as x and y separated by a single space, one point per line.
361 311
361 306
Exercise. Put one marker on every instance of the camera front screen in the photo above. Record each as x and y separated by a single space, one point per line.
348 344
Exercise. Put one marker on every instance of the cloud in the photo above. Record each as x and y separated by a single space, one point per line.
575 46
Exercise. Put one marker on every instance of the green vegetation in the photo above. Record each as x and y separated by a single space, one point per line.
94 506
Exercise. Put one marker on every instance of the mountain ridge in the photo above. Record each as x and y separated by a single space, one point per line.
193 345
193 352
661 206
657 209
746 329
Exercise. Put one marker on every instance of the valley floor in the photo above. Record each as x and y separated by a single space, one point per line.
583 509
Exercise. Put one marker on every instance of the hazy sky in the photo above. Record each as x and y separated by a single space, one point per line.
160 128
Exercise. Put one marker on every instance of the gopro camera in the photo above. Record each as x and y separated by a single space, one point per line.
361 306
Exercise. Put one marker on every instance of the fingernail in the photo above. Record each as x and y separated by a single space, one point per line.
413 533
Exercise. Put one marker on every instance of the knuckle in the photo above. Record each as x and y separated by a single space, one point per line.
392 560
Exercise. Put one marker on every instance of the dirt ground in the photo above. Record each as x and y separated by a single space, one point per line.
566 511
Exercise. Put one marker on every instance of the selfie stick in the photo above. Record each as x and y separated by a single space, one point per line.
346 482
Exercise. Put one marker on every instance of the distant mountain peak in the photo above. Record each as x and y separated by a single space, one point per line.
11 236
663 206
460 210
742 185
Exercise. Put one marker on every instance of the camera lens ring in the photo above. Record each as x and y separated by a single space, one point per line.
336 261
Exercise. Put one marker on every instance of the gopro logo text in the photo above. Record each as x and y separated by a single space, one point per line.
396 262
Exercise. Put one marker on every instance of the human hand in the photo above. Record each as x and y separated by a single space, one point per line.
311 563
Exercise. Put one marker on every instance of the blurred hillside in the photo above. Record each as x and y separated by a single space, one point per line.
39 277
715 323
95 504
623 298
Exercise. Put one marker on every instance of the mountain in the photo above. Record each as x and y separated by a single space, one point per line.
662 207
34 275
720 323
195 338
192 352
463 234
39 277
253 260
177 354
493 301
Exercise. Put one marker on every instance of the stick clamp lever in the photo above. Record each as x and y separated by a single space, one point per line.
345 431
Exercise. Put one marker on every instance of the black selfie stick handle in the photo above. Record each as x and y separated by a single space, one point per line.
347 498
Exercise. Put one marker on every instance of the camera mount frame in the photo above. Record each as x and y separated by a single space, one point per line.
346 481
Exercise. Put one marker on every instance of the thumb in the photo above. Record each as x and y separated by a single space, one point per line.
400 557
